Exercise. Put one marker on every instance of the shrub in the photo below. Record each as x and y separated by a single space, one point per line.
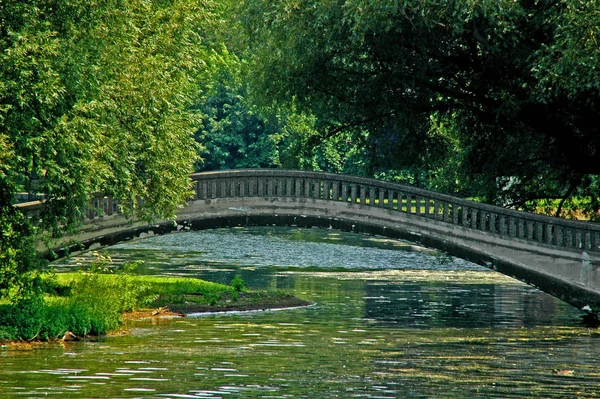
238 284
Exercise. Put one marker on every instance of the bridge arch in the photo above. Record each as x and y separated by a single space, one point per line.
560 257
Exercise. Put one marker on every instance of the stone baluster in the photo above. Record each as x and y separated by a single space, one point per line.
391 200
491 227
252 187
455 212
371 196
109 206
560 235
363 194
502 228
381 198
326 190
474 214
213 189
202 189
522 228
585 239
299 184
549 234
529 226
260 187
569 241
223 189
464 215
578 238
316 189
335 190
237 184
541 229
289 184
307 188
353 193
221 185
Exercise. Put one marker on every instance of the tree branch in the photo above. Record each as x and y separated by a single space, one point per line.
574 183
318 140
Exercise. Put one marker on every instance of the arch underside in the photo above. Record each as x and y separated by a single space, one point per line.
568 274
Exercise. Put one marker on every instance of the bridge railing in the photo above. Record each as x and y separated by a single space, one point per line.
357 191
100 206
529 227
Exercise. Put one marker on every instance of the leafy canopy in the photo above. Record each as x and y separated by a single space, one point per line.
95 97
506 91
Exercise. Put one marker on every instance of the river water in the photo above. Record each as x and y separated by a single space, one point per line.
390 320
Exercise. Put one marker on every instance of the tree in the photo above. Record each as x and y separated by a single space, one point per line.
238 133
514 84
95 98
233 133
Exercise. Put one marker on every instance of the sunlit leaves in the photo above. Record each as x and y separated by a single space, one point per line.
97 97
571 63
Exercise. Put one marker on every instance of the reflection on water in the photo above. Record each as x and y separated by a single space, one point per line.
392 320
282 247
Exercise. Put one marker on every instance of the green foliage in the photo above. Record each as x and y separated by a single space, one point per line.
238 284
168 290
240 131
95 97
19 265
99 301
102 263
497 99
233 133
87 303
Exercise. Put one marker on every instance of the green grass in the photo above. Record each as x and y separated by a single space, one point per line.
94 304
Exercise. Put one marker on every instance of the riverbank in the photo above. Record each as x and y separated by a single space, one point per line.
81 305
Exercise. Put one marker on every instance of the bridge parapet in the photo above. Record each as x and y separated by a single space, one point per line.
524 226
511 224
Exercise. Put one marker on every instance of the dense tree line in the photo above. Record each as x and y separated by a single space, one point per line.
494 100
94 97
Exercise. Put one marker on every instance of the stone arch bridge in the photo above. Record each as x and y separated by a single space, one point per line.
559 256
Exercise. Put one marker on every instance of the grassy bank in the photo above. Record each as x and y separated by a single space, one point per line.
89 304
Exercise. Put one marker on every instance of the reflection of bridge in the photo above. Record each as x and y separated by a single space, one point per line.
559 256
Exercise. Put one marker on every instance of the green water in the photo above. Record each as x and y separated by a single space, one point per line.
391 320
